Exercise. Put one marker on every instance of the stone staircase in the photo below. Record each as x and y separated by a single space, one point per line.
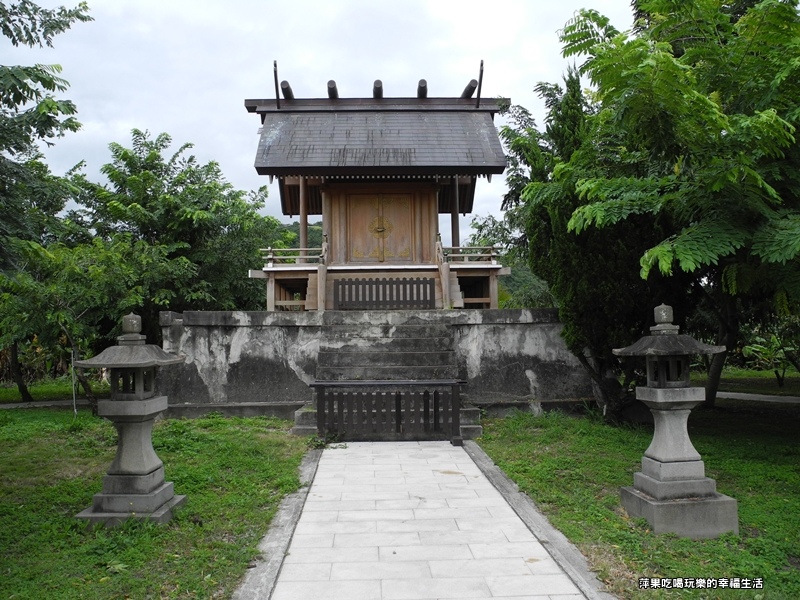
386 352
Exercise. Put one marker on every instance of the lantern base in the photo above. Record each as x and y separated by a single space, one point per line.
672 490
695 518
161 515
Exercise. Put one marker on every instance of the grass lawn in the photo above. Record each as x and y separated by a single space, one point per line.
754 382
51 389
573 468
234 472
733 380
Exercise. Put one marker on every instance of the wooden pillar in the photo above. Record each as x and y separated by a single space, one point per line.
454 229
322 285
493 292
326 221
271 292
303 218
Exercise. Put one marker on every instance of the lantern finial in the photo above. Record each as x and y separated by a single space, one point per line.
663 317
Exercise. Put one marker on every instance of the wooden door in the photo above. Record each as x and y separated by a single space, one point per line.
380 228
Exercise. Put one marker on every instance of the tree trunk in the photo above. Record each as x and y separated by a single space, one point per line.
714 375
16 373
726 336
87 388
607 391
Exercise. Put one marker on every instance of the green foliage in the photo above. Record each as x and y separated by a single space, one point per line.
592 273
61 290
773 345
769 353
29 113
28 24
585 31
189 211
291 235
520 289
709 102
53 390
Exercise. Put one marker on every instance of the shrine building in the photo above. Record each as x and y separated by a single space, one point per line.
379 171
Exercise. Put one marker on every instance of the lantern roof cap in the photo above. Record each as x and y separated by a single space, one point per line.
131 352
665 340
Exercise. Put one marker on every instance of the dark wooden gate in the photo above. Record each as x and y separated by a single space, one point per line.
389 410
372 294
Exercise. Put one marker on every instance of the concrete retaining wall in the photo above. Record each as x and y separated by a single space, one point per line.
237 358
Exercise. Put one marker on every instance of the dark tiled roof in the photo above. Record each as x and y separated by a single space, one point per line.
373 138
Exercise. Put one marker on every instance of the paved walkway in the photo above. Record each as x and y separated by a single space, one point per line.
412 520
760 397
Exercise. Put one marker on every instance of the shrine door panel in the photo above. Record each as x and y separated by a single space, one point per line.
380 228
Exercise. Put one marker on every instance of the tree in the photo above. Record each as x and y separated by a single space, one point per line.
192 212
708 100
603 303
521 288
29 113
78 293
593 276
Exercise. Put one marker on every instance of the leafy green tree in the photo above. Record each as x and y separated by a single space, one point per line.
79 292
521 288
29 114
293 237
189 210
603 303
708 102
593 276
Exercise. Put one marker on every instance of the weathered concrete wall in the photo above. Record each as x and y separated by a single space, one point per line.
517 355
270 357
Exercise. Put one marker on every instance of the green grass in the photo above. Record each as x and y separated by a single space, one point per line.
49 390
750 381
573 469
234 472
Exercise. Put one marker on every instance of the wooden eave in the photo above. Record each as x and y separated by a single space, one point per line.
265 106
289 189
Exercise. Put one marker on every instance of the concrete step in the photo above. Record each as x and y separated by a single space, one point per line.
387 344
391 372
300 430
380 358
385 330
470 415
471 432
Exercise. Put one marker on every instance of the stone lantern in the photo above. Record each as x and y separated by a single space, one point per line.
134 487
672 491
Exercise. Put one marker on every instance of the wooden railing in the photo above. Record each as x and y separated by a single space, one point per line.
409 410
288 256
470 253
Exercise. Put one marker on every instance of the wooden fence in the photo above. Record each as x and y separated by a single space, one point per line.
377 294
403 410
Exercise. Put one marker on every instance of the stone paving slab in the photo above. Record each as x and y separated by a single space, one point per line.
413 520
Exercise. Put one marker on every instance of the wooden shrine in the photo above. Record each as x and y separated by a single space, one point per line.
379 172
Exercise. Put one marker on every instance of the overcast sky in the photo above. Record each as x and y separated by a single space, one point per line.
185 66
